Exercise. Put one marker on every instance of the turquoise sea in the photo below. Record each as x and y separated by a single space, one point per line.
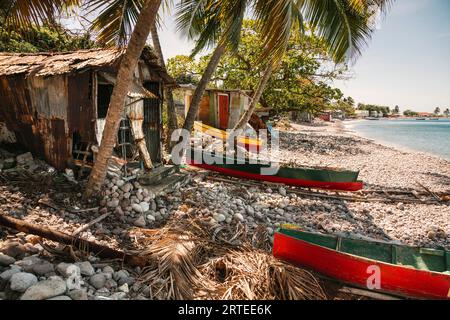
426 136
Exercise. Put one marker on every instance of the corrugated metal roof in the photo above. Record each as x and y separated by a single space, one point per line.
48 64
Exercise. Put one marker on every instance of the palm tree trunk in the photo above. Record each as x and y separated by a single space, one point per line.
256 96
200 90
171 112
124 78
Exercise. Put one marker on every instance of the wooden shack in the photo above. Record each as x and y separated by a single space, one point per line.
219 108
55 104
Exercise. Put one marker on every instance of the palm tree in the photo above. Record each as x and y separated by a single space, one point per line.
144 15
113 25
210 22
137 20
344 25
447 112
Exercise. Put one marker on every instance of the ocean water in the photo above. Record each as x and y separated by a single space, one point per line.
426 136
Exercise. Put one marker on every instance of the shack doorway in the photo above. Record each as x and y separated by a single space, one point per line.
153 121
224 102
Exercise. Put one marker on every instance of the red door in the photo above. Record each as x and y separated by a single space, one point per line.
223 110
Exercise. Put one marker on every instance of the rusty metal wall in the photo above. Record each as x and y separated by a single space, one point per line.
37 111
81 110
44 112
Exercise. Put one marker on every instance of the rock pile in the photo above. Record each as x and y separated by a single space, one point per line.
136 204
35 278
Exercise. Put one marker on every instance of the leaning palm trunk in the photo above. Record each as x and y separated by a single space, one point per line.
124 78
201 87
171 113
256 96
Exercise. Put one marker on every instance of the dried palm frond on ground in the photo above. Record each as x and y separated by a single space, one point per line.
255 275
189 259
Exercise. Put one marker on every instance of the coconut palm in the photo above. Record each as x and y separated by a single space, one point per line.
132 27
116 21
343 24
141 18
210 22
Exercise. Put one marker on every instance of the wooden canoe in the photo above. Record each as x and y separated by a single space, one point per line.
322 178
250 144
404 271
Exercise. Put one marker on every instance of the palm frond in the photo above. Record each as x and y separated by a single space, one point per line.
116 19
23 13
209 22
344 25
276 20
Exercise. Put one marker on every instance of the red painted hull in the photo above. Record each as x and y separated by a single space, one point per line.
344 186
352 269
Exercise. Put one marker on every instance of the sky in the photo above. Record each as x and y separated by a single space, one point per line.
407 62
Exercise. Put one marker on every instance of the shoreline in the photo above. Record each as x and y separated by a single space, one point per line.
345 124
380 167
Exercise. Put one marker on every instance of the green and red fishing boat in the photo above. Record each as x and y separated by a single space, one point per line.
403 270
322 178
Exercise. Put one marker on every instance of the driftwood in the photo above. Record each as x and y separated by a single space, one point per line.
429 191
88 225
98 249
367 195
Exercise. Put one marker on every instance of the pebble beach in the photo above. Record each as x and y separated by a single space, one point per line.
28 271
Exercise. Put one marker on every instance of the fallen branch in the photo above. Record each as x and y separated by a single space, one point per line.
49 204
88 225
83 210
98 249
429 191
317 194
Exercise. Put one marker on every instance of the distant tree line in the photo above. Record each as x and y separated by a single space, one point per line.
372 107
410 113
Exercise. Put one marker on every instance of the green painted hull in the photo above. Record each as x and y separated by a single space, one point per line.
302 173
387 267
437 260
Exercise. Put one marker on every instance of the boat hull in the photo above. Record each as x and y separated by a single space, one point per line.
301 177
395 279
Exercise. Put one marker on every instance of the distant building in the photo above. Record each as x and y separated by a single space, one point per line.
362 113
220 108
425 114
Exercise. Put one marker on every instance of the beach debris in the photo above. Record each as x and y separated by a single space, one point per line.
188 260
101 250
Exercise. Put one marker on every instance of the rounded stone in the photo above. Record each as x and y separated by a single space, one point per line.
139 222
53 287
86 268
21 281
6 260
98 280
